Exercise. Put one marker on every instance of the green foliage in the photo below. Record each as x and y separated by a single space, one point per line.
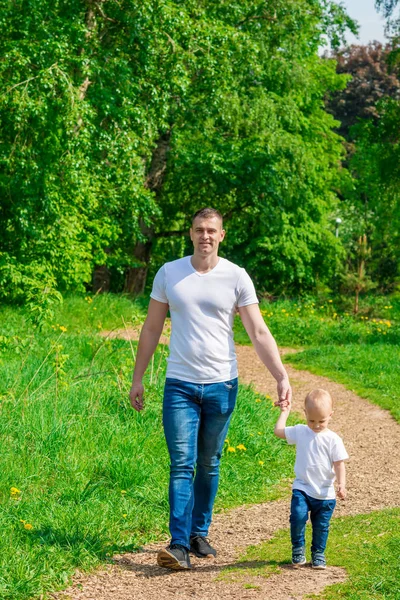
233 93
368 109
375 201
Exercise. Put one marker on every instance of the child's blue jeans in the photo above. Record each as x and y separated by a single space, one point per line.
320 514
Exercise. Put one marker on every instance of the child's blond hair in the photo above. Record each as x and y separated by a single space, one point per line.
318 398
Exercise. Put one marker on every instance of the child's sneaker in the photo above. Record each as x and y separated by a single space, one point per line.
298 556
318 561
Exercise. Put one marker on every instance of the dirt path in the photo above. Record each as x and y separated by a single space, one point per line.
372 440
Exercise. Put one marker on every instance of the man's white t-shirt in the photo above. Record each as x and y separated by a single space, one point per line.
202 308
315 455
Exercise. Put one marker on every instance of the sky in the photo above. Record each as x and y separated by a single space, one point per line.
370 21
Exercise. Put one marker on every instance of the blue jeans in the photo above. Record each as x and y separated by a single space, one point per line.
196 420
321 513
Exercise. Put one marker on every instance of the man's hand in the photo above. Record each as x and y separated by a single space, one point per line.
284 394
136 396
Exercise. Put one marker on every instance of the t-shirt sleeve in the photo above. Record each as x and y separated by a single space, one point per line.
158 292
338 450
291 435
246 290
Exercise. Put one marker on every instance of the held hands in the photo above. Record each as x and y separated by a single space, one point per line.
284 395
341 492
136 396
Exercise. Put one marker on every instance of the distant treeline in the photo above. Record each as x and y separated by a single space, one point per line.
119 119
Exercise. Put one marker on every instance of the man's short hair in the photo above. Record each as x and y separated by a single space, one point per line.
208 213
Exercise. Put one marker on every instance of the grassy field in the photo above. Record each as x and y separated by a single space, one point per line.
367 546
362 352
84 476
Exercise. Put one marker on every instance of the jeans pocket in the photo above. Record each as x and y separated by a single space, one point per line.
231 384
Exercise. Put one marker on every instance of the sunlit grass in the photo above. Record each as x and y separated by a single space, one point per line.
371 371
84 476
366 546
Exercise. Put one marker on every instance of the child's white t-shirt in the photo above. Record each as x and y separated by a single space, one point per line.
315 455
202 308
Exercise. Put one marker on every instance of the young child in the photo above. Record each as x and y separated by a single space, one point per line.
320 455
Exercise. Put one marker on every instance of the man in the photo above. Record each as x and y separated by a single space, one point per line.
202 293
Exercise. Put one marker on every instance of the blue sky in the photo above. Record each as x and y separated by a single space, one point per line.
371 23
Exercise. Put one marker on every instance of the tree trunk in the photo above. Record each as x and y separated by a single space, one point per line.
356 301
135 278
101 279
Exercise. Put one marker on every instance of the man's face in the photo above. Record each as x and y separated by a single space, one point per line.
206 235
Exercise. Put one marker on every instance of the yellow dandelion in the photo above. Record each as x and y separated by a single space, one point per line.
241 447
231 449
330 301
63 329
125 515
259 432
14 491
258 400
28 526
261 462
123 491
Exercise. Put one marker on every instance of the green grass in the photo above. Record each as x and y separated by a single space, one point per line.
367 546
371 371
91 474
362 352
313 323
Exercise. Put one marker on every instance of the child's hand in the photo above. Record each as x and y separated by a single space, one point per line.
284 405
341 492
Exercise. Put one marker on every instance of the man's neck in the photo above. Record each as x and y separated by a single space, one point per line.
203 264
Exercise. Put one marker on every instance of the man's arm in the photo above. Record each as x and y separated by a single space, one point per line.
149 338
340 472
266 348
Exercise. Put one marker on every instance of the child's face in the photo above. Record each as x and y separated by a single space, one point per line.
318 417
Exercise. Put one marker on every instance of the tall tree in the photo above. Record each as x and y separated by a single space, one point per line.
118 118
374 76
374 206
